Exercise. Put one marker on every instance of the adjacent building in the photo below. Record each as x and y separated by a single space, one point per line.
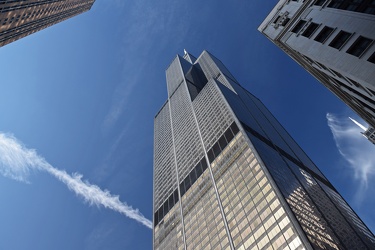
369 133
228 176
334 41
20 18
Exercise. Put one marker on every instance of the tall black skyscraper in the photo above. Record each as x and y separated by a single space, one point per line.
228 176
19 18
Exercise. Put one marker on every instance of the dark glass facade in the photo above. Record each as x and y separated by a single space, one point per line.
20 18
228 176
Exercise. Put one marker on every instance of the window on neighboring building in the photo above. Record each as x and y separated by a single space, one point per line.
372 58
319 2
354 5
286 20
310 29
283 23
340 39
324 34
336 4
298 26
363 6
359 46
277 19
370 8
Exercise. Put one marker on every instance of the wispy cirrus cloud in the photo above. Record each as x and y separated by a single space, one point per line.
118 105
17 161
146 29
107 166
356 150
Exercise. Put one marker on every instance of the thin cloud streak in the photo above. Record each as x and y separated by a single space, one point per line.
16 162
359 153
107 165
147 19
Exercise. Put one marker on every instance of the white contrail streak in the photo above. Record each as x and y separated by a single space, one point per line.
16 161
358 124
356 150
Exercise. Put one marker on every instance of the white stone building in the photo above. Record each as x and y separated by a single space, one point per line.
334 41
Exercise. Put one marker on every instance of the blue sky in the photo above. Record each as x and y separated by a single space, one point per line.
83 94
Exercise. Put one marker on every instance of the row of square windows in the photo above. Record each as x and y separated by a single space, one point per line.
27 15
14 33
359 46
362 6
358 90
38 4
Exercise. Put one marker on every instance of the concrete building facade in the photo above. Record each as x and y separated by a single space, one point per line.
20 18
228 176
334 41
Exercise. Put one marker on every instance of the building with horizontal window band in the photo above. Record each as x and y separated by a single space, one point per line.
20 18
228 176
334 41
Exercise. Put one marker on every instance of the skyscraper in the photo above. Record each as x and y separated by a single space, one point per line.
19 18
228 176
334 41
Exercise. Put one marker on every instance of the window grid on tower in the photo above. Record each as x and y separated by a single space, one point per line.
19 18
212 124
187 143
251 208
164 172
